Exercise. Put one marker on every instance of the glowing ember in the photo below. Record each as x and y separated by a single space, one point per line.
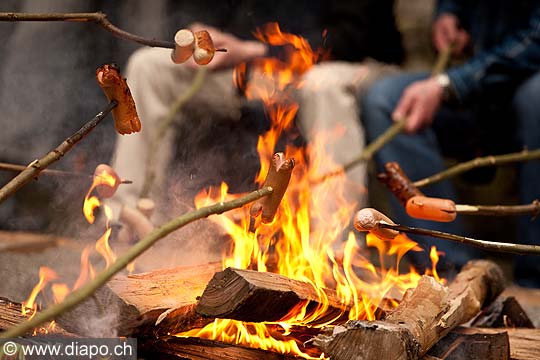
304 239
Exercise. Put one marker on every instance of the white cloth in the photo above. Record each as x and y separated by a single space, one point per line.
327 101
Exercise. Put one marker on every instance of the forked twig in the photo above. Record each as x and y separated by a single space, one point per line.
96 17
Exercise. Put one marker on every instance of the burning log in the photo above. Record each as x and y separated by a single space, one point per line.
201 349
11 315
505 312
480 341
254 296
425 315
467 343
278 177
157 303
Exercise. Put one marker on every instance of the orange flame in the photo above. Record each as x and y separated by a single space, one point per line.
46 275
303 240
87 272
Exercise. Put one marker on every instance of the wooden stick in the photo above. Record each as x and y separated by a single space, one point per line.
53 172
524 155
131 254
367 222
532 209
442 61
519 249
96 17
425 315
37 166
164 127
253 296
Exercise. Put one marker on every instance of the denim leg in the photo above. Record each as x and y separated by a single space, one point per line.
419 156
527 110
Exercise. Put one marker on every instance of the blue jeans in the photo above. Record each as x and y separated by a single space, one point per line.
421 155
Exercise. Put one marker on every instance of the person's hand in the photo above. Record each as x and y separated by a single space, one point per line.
238 51
418 104
446 31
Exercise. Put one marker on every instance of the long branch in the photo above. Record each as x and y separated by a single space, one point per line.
53 172
37 166
164 126
390 133
532 209
524 155
86 291
482 244
96 17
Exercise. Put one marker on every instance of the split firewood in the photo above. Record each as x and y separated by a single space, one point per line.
375 222
504 312
202 349
11 315
126 120
33 169
523 344
278 177
398 183
471 344
425 315
156 303
254 296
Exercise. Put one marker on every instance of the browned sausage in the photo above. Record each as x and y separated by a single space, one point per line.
126 120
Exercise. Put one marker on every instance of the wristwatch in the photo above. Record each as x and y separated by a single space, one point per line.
444 81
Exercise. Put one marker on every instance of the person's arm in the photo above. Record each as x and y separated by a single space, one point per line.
515 59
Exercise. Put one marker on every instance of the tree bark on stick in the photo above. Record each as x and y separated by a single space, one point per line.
96 17
254 296
524 155
425 315
37 166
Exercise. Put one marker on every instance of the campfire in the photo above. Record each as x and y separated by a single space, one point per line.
296 280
